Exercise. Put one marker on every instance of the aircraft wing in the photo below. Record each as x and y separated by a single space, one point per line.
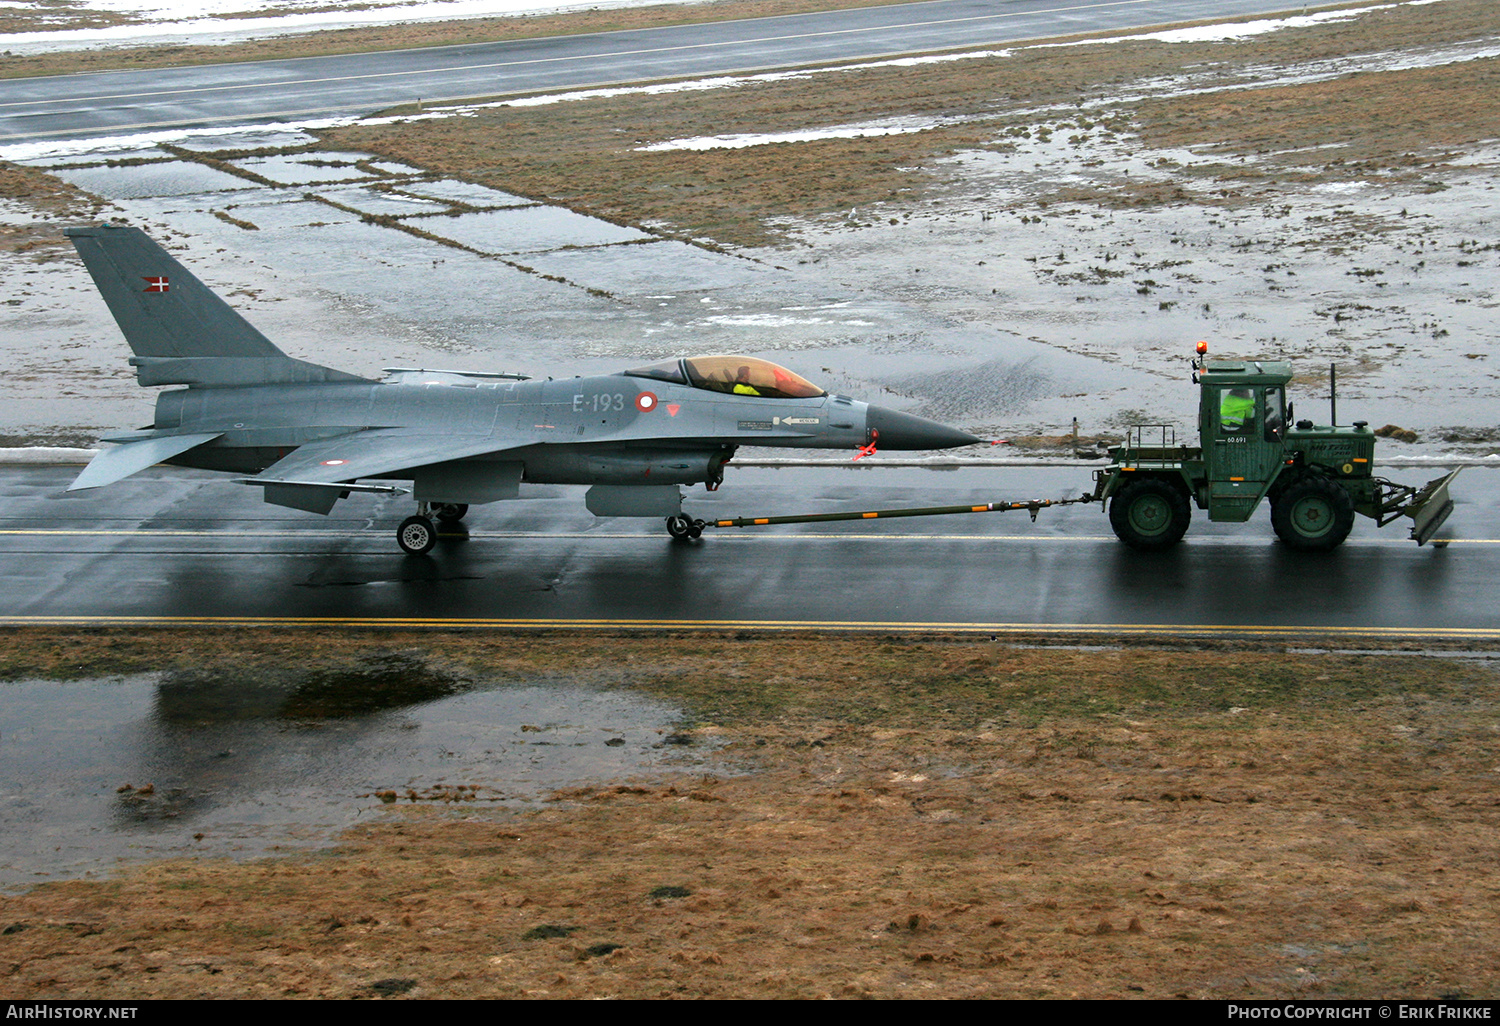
375 452
318 474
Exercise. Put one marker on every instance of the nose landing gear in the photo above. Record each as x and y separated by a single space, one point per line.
681 528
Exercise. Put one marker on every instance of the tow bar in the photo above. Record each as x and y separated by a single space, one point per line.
683 527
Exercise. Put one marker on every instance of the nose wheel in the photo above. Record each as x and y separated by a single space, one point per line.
682 528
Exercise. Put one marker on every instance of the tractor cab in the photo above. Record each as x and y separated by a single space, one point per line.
1242 424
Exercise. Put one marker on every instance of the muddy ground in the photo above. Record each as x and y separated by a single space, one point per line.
885 818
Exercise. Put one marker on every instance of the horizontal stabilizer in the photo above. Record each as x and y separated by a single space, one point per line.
120 461
162 309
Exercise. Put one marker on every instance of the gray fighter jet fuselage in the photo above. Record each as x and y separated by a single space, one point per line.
310 435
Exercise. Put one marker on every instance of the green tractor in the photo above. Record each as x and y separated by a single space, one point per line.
1317 478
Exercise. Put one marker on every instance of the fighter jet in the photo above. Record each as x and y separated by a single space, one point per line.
309 435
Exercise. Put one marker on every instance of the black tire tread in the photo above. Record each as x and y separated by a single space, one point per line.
1150 489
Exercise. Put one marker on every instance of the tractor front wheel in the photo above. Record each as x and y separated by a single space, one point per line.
1150 514
1313 514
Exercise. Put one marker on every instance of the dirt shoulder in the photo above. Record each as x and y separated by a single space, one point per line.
893 817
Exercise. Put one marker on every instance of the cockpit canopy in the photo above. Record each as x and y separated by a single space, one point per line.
737 375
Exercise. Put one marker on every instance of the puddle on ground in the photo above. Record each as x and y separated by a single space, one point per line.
530 230
631 271
93 772
307 168
143 181
81 154
222 140
466 193
379 201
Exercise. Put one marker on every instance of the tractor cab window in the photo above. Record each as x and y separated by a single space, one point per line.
1236 411
746 375
1275 414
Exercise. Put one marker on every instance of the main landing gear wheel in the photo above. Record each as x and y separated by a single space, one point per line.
416 535
1313 515
1150 514
450 512
682 528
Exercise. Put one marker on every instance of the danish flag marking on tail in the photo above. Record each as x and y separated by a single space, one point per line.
157 284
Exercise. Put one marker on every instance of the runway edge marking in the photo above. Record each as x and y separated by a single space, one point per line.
834 626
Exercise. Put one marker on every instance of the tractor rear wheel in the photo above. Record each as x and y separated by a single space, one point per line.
1313 514
1150 513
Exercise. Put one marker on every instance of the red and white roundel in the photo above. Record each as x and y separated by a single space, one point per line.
334 463
646 402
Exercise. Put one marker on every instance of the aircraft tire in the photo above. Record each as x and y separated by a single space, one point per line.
416 535
1150 514
450 512
1312 514
680 528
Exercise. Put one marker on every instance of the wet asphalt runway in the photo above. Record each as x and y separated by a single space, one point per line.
175 546
171 546
129 101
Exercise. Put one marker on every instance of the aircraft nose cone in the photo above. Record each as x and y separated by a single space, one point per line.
903 431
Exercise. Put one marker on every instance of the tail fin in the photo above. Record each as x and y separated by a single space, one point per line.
160 306
180 332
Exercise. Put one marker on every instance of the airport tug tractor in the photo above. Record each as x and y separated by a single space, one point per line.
1316 477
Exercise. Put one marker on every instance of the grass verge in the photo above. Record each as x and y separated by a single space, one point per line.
904 817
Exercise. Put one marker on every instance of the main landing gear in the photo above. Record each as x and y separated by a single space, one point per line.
418 534
682 528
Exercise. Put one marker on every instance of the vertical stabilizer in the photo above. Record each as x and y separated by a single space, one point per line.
163 310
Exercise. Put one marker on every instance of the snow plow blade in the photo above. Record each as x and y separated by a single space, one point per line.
1430 509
